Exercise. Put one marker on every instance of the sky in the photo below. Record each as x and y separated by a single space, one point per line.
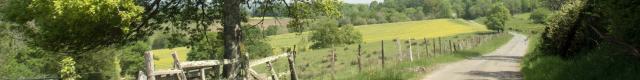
360 1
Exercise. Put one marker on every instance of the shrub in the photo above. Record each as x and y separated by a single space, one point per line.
540 15
328 34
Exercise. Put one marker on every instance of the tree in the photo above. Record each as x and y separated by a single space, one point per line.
74 27
205 49
274 30
78 30
586 24
329 34
256 42
131 59
553 4
359 21
395 16
496 21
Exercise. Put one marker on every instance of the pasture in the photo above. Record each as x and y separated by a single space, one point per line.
400 30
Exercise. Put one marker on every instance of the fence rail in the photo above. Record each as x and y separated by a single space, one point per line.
405 50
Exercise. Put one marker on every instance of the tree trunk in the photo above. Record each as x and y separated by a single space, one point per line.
231 36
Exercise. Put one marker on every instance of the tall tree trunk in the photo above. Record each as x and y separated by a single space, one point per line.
231 36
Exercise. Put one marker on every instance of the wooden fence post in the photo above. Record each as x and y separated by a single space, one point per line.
292 68
400 55
410 50
202 75
274 75
433 46
440 47
382 52
333 64
176 65
450 45
359 54
148 60
426 47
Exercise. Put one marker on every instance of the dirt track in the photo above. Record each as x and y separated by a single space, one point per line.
501 64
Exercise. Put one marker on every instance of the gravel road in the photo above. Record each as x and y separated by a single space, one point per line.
501 64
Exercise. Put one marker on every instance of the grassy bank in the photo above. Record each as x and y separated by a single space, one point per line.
413 70
602 63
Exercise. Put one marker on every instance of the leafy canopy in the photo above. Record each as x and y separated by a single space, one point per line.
496 21
75 26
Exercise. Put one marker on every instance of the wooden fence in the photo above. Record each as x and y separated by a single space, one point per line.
432 47
181 68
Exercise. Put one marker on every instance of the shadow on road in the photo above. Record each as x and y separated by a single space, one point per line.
512 59
501 75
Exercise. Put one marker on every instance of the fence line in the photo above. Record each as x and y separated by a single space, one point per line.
432 48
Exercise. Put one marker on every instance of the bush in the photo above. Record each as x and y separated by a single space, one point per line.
540 15
497 20
372 21
274 30
169 40
132 59
398 17
255 43
329 34
359 21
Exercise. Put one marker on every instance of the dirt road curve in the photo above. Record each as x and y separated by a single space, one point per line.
501 64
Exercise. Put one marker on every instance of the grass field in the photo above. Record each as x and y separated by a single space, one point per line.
389 31
163 59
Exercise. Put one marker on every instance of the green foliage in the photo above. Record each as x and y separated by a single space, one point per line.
68 71
275 30
169 40
132 59
329 34
270 9
580 23
623 19
254 40
359 21
414 13
15 55
75 26
553 4
99 65
540 15
256 43
398 17
496 21
206 49
562 36
571 49
603 63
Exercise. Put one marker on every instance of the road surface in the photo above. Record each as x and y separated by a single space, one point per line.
501 64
